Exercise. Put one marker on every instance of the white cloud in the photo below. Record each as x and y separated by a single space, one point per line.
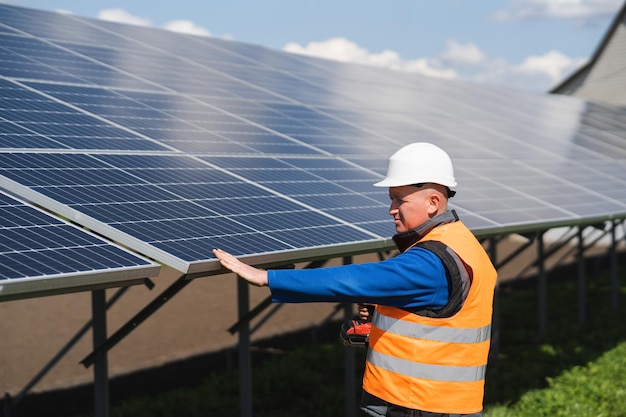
554 64
537 73
583 10
186 26
338 49
467 61
468 54
122 16
341 49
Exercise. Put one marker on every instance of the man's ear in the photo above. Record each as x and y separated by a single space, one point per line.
434 202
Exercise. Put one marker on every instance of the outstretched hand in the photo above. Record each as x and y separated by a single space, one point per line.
254 276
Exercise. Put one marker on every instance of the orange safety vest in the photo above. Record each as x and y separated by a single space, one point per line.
436 364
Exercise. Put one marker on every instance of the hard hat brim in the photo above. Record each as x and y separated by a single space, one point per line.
396 182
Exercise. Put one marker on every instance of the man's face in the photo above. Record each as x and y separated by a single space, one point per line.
410 206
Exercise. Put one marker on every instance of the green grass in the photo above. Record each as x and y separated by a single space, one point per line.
596 389
575 370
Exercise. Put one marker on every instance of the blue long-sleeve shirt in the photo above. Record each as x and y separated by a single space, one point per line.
415 278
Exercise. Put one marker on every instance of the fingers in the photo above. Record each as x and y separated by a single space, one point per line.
365 311
224 257
220 254
228 261
251 274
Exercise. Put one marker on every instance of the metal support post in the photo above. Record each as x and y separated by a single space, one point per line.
245 373
100 370
146 312
582 295
348 360
541 286
242 326
614 280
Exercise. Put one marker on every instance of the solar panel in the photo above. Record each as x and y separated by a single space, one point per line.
42 255
166 205
175 144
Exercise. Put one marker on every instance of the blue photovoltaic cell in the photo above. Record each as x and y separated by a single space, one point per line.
56 125
36 247
174 144
175 203
174 72
56 26
240 205
43 58
319 184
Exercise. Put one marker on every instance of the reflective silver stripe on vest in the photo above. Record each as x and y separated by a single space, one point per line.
421 370
436 333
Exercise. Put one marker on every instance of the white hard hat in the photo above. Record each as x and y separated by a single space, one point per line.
417 163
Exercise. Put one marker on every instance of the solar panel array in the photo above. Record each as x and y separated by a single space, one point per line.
42 255
175 144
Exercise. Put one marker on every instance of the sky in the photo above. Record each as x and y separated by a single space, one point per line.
529 45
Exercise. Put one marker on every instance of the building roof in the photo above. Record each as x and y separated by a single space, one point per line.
603 78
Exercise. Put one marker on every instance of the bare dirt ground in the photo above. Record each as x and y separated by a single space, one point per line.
193 324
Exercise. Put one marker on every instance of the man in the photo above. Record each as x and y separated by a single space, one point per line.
431 328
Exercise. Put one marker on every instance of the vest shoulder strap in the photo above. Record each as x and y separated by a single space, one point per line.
459 280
